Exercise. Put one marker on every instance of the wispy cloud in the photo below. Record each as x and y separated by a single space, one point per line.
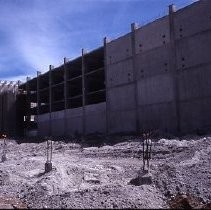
37 33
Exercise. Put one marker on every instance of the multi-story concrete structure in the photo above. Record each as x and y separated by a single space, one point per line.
158 76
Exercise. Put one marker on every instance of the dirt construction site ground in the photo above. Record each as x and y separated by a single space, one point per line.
105 176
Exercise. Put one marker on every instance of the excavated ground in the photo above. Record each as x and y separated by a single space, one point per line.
100 177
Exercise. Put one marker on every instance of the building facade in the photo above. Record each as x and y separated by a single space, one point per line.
158 76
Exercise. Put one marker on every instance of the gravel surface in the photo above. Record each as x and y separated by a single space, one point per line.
100 177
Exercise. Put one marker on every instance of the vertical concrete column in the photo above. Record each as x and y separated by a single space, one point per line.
83 92
28 102
173 66
134 26
105 41
38 95
65 97
50 99
38 92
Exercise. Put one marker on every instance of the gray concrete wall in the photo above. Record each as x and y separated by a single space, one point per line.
95 121
159 72
74 121
120 86
155 74
152 35
57 123
193 34
193 19
43 124
95 118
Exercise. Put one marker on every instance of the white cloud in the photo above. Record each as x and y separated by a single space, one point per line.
34 35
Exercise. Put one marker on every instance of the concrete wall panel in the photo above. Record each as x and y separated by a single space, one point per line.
193 19
194 50
74 125
43 128
157 89
120 73
152 35
207 113
195 83
76 112
191 115
119 49
43 117
122 121
122 98
95 108
158 116
96 118
153 62
74 120
43 124
57 127
96 123
57 115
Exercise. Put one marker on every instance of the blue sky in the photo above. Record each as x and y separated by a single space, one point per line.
37 33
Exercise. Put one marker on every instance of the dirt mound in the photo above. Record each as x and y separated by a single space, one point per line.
11 203
188 202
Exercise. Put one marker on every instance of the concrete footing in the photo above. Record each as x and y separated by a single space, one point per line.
145 179
48 167
3 158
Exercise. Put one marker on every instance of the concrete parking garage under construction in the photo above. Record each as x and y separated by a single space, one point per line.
155 77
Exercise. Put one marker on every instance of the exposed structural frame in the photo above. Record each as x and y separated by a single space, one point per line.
141 81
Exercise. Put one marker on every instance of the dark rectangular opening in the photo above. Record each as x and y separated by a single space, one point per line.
33 97
95 81
44 96
75 102
33 111
74 87
97 97
44 108
94 60
44 101
44 81
58 93
32 84
58 106
57 75
74 68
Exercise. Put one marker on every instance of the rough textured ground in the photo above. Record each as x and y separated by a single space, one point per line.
100 177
